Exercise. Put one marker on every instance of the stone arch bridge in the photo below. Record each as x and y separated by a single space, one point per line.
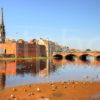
77 55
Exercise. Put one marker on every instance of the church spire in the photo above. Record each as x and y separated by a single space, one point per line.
2 27
2 21
1 17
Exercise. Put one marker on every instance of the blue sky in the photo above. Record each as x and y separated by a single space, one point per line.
75 23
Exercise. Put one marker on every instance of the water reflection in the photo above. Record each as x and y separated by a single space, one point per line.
33 71
79 62
11 71
2 81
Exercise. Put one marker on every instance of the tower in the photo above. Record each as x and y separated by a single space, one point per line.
2 27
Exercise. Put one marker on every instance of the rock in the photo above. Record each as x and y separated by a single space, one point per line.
32 93
14 89
76 82
15 99
84 83
52 85
46 99
55 87
38 89
42 97
30 85
29 94
73 86
68 83
64 82
25 90
12 96
65 86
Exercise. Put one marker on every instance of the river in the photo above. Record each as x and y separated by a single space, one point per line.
21 72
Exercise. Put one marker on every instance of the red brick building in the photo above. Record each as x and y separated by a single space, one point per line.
19 48
22 49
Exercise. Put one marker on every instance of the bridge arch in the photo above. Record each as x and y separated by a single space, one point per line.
58 56
70 57
98 58
85 57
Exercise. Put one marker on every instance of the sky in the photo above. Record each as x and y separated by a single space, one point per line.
74 23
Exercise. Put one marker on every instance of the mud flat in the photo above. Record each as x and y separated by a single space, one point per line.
53 91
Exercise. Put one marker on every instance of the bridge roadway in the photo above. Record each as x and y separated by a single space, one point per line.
78 55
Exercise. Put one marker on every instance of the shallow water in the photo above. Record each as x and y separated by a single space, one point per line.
21 72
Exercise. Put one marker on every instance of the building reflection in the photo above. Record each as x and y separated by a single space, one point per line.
42 68
2 81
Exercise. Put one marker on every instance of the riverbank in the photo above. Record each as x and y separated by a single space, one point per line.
25 58
54 91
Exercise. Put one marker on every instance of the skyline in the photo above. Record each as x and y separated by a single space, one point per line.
74 23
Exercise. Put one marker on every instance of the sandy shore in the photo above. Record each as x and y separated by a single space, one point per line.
54 91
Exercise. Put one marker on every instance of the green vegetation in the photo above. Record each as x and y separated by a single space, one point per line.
25 58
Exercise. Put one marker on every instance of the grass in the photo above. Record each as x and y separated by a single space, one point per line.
25 58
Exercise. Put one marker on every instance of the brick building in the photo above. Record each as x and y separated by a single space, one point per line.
22 48
19 48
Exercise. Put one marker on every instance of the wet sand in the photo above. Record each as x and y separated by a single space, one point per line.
54 91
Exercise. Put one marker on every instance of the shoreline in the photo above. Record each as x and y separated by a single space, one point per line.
53 91
25 58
